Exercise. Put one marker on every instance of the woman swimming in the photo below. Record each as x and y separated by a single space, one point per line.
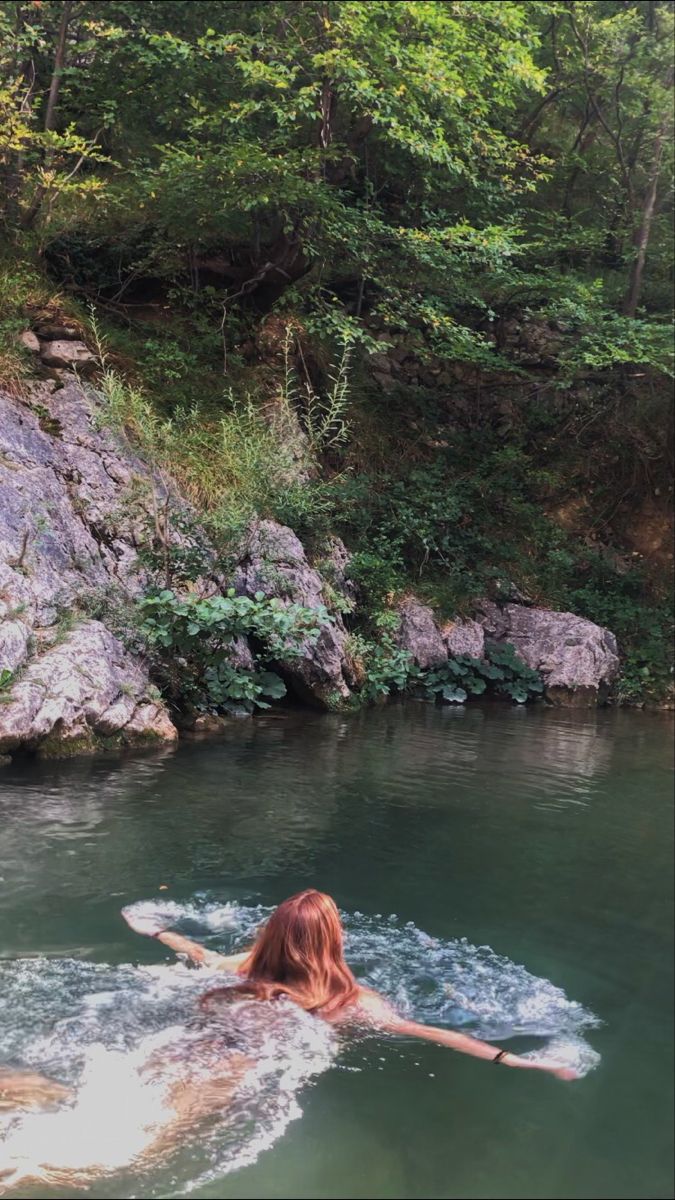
299 953
180 1079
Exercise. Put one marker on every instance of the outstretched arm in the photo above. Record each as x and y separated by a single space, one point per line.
383 1016
152 927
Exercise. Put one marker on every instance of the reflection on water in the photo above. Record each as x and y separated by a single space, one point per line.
544 835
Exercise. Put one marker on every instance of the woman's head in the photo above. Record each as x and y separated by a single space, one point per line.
299 953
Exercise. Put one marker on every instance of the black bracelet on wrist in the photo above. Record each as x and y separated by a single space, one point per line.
500 1055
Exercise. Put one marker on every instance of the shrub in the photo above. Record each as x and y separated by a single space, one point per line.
502 671
195 646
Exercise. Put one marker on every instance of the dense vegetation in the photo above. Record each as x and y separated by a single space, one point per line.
398 271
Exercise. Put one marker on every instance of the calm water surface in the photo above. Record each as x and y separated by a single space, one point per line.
546 836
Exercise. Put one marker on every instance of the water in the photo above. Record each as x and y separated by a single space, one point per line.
503 870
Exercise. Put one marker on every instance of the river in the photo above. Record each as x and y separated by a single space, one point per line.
508 869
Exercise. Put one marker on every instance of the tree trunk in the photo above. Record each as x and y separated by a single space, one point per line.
52 102
643 231
59 64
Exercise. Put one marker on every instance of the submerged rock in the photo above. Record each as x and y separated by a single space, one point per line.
419 634
577 659
274 562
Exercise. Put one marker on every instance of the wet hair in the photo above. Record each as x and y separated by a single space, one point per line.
298 953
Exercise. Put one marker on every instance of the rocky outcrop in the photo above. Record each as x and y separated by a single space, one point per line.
419 634
62 481
577 659
274 562
79 693
69 540
464 638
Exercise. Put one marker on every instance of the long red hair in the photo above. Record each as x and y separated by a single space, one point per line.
298 953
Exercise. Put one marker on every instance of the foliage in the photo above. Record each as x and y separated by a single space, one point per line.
385 667
502 671
195 640
231 464
437 181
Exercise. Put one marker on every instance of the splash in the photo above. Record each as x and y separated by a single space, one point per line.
447 982
121 1037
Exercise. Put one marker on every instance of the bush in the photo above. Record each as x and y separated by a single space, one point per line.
502 671
195 646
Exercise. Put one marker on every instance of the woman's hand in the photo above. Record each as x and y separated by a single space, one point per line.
563 1072
149 924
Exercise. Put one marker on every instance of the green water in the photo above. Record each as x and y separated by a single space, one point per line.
547 836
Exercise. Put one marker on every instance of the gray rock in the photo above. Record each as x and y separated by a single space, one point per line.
69 354
464 637
274 562
61 482
81 690
577 659
419 634
29 341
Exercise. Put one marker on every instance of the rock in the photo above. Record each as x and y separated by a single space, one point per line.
69 354
80 691
577 659
464 637
61 483
56 331
274 562
380 362
29 341
419 634
208 724
334 567
383 380
532 341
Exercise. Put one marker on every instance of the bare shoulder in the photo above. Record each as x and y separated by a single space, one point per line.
373 1007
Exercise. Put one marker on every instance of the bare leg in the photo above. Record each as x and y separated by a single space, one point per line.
191 1099
27 1089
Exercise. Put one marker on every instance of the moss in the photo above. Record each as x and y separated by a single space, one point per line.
48 424
335 702
147 737
58 746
